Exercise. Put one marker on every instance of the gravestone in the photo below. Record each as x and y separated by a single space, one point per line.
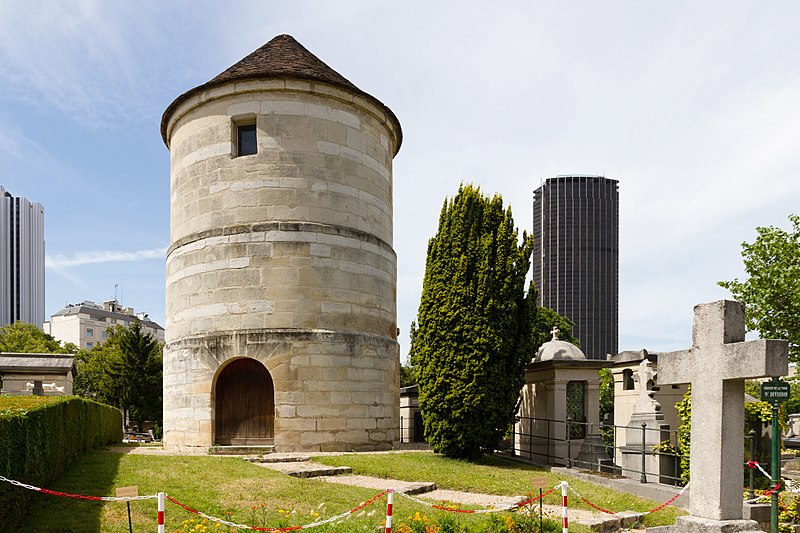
645 430
716 366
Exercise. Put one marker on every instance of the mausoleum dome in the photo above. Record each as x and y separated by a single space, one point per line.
558 350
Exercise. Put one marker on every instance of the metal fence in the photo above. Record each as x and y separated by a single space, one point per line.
644 453
650 455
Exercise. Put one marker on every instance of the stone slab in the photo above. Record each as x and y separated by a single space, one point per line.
760 512
609 523
240 450
694 524
280 458
306 469
408 487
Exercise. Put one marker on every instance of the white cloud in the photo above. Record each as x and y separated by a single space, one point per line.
60 262
87 59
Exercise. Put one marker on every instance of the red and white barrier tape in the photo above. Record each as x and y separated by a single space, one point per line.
78 496
162 496
452 509
590 504
754 464
766 494
289 528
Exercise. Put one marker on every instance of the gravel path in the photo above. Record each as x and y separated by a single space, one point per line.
439 495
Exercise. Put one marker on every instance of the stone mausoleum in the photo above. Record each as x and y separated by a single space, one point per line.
281 277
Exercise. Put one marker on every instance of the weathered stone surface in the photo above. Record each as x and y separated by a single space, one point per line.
694 524
716 366
284 257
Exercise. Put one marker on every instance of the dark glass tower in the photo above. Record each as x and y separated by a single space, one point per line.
576 256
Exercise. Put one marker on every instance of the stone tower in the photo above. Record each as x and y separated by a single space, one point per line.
281 278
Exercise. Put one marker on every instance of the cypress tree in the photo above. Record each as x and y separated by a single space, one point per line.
474 325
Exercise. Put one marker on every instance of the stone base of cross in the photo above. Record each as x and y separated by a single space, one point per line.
716 366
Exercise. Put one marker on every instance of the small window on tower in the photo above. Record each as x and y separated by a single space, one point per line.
246 139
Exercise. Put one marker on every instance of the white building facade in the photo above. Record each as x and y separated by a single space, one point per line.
21 260
85 324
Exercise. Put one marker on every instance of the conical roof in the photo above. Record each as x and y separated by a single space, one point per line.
282 57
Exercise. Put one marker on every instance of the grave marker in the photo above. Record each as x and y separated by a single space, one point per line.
716 366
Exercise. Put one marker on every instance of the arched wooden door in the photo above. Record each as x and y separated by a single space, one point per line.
245 405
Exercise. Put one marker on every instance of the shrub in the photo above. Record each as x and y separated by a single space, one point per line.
40 436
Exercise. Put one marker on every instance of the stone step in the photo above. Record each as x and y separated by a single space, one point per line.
241 450
419 488
300 468
318 471
608 523
279 458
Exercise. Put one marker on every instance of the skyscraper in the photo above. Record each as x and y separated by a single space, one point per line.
576 256
21 260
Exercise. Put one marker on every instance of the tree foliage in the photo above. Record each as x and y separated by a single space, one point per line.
543 324
125 371
772 291
407 376
606 392
20 337
755 414
475 325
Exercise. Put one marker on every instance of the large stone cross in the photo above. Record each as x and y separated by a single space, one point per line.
716 366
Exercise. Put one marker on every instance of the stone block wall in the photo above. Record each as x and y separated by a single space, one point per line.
333 391
284 256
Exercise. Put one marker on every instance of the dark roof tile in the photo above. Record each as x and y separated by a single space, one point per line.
282 57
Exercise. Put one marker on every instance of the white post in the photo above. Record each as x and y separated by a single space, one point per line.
160 512
564 512
389 502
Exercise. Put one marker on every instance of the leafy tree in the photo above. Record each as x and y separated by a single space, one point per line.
407 377
141 373
756 414
543 324
606 392
475 324
20 337
125 371
408 374
772 291
96 377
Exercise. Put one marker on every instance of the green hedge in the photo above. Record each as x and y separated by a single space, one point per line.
40 436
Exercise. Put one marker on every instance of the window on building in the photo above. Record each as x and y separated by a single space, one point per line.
103 335
89 332
89 344
627 379
246 139
576 409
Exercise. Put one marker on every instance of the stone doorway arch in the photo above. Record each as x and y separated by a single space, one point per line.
244 405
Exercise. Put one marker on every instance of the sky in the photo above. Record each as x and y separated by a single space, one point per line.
693 106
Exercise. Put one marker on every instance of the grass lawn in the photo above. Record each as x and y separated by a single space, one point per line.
494 475
244 493
225 487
